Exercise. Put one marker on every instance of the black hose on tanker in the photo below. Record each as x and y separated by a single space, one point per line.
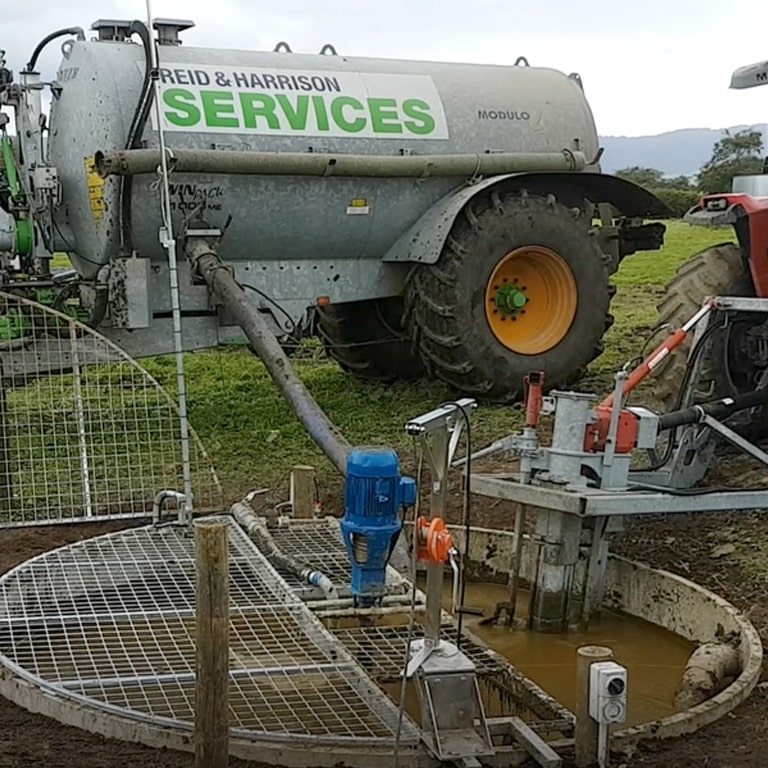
32 63
141 115
135 132
207 264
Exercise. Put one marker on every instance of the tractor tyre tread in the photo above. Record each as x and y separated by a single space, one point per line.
362 344
708 273
445 323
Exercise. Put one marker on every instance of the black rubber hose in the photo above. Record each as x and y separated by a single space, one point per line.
78 31
207 264
141 115
136 131
719 409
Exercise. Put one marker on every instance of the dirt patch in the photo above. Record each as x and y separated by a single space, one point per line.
710 550
717 551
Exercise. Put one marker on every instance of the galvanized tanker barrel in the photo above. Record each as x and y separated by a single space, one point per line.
275 102
420 217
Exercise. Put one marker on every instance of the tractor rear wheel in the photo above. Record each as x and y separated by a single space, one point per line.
521 285
367 340
731 362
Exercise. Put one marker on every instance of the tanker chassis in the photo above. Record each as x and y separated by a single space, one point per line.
420 218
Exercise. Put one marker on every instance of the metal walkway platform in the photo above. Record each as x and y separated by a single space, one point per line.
107 625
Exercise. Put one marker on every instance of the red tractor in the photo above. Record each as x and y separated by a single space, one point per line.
734 355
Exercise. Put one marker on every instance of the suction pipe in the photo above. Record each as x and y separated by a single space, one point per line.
256 528
207 264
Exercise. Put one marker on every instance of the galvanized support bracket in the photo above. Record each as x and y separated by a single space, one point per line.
439 432
453 722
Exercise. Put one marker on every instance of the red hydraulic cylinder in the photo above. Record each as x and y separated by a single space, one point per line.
534 388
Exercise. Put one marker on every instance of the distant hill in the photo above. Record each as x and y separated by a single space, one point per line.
677 153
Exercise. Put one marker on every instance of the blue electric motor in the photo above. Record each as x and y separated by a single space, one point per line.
374 493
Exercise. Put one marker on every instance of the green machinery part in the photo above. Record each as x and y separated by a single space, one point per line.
24 238
14 324
9 163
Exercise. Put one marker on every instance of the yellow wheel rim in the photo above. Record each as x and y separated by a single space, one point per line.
531 300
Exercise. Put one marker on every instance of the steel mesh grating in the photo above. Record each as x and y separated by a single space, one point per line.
111 619
380 649
98 438
319 544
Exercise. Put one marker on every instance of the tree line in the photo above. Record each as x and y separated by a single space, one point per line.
740 154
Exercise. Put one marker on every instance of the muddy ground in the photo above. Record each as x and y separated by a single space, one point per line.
680 544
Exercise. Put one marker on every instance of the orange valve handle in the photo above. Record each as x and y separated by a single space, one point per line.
434 540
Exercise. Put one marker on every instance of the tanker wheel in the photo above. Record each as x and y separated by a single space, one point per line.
521 286
367 340
727 368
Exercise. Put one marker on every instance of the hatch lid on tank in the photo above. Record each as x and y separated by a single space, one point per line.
112 30
168 30
119 30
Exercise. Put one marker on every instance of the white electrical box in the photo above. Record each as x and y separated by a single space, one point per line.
607 692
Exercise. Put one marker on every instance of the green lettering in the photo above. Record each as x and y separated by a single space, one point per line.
216 107
185 115
337 112
421 123
382 112
297 117
321 113
255 105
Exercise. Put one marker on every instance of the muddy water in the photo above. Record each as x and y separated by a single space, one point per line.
654 657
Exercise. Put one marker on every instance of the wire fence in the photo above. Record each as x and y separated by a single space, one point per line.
85 431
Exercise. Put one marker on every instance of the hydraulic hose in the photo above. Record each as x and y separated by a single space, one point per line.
207 264
718 409
136 130
257 530
141 115
77 31
140 161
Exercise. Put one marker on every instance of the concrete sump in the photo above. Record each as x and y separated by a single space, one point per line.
100 635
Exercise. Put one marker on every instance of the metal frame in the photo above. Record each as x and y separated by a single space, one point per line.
597 503
660 492
456 730
439 432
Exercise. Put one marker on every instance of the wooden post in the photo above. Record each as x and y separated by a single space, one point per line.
212 644
303 491
586 732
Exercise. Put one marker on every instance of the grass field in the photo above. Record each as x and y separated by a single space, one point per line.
254 439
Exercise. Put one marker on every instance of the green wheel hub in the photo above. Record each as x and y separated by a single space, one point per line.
510 299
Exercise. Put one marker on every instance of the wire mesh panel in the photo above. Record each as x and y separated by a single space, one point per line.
379 649
319 544
109 622
85 431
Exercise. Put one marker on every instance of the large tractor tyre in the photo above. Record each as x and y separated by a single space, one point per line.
725 369
521 286
367 340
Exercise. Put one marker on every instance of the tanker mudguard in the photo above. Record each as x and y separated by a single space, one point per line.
424 241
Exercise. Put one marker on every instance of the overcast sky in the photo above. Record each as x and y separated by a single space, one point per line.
647 66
